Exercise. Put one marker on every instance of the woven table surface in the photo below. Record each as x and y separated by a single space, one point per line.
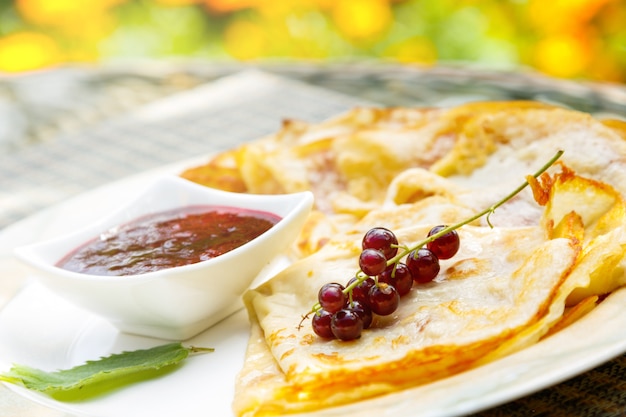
69 130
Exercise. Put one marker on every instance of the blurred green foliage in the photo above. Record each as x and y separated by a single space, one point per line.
583 39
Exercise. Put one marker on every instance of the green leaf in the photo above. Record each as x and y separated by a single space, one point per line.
98 376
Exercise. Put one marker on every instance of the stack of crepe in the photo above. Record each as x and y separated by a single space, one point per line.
545 258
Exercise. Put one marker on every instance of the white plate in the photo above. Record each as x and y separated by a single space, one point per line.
39 329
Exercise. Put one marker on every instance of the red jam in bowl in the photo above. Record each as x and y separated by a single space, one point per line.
168 239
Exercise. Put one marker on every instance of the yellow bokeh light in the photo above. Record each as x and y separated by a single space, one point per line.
176 3
419 50
226 6
362 19
62 13
245 40
25 51
562 56
281 9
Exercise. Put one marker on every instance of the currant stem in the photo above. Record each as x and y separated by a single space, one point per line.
405 250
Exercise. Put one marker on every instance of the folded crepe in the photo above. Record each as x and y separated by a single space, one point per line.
553 253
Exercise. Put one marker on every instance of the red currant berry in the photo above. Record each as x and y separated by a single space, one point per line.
372 262
359 293
401 278
363 311
381 239
331 297
321 324
383 299
423 264
346 325
446 245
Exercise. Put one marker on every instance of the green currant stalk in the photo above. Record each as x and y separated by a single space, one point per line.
360 276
